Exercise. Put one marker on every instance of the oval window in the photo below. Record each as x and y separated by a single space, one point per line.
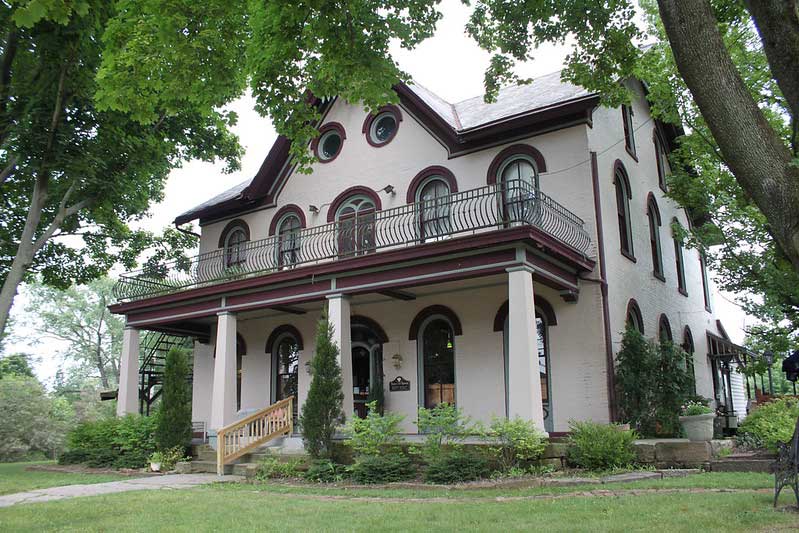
383 128
329 145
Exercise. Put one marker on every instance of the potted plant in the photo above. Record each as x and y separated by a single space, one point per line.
697 421
155 461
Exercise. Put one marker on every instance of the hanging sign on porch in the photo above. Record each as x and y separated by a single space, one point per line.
399 384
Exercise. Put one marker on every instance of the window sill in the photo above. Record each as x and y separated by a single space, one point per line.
663 187
683 292
629 256
661 277
632 153
708 309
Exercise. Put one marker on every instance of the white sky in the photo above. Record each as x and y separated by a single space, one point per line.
450 64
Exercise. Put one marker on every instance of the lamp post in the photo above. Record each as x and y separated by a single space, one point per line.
768 356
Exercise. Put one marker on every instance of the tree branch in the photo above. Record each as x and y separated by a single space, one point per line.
6 173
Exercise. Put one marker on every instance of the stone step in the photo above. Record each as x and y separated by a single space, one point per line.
741 464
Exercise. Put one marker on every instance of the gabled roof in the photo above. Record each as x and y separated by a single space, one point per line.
543 105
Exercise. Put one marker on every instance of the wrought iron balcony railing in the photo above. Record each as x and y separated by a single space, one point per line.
487 208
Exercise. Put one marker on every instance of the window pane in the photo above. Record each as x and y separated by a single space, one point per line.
384 127
439 363
331 143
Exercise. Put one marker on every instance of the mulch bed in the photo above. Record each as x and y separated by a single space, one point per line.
81 469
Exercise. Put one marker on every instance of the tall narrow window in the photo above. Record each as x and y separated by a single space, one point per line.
664 329
285 363
519 178
241 350
434 201
356 226
660 159
678 259
438 362
623 195
288 234
705 285
653 214
629 130
235 247
634 318
688 348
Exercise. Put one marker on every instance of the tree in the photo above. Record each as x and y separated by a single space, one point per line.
17 364
79 316
322 412
73 173
174 416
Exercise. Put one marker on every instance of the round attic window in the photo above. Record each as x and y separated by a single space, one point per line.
383 128
329 145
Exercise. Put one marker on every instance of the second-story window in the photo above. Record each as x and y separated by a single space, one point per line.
434 207
629 130
679 260
356 226
661 158
288 234
623 195
519 179
235 247
653 214
705 284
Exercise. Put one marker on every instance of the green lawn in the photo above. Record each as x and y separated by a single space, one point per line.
268 507
14 478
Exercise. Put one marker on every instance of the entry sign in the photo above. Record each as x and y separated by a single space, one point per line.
399 384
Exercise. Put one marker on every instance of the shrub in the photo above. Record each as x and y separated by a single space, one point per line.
322 413
169 458
371 469
376 434
114 442
769 424
516 442
325 471
456 466
694 407
443 424
174 417
600 446
273 468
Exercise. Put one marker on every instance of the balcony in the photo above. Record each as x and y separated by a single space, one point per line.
489 208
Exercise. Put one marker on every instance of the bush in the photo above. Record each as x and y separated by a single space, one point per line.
169 458
517 442
325 471
174 417
114 442
443 424
322 413
376 434
696 407
371 469
272 468
600 446
769 424
456 466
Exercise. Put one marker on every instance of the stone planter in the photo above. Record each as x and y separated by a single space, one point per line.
698 428
155 467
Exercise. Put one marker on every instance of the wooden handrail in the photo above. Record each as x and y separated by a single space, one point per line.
238 438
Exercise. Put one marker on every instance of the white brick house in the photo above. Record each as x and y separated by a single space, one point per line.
486 254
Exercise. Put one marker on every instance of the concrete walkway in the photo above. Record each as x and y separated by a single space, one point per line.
171 481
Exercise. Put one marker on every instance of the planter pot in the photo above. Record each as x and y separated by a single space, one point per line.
155 467
698 428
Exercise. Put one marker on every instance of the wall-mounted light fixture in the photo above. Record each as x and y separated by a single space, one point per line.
389 189
313 209
397 360
308 367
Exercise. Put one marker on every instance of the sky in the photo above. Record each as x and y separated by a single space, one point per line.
450 64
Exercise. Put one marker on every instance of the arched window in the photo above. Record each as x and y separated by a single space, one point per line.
518 177
623 196
653 214
629 130
436 347
688 347
288 235
660 159
634 318
678 258
356 225
285 364
705 284
434 203
664 329
233 241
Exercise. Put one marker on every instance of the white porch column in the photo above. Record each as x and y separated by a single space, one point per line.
128 395
223 399
338 314
524 382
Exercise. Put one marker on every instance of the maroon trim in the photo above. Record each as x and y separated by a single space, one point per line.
367 124
435 170
663 321
283 211
552 268
161 312
610 366
233 224
686 335
280 330
651 201
629 131
510 151
657 140
427 312
330 126
389 257
618 166
632 306
376 328
349 193
540 302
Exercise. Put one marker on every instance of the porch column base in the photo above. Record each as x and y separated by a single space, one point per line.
338 314
128 395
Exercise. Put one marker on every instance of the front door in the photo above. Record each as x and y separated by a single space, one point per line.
367 375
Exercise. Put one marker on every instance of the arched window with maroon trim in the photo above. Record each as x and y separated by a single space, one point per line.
679 260
653 215
516 171
434 329
381 127
661 159
634 319
431 189
233 242
354 210
287 225
664 329
623 197
689 349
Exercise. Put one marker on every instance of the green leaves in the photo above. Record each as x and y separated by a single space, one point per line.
29 12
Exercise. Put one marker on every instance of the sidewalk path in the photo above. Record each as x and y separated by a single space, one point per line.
171 481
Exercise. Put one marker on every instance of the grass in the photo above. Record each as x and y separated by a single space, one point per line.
264 507
14 478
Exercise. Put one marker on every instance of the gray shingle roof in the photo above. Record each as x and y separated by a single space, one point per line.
229 194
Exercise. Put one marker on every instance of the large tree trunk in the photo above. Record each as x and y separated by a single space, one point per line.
757 157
